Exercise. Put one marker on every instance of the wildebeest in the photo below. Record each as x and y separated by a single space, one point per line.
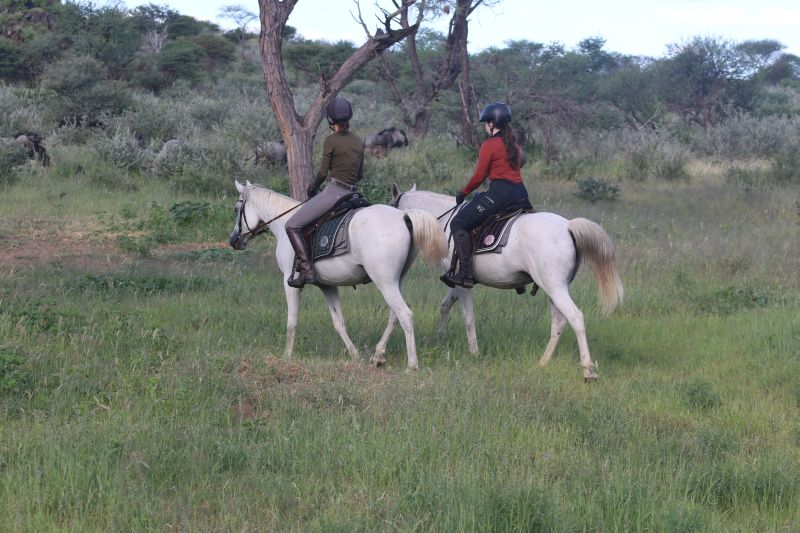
271 152
32 142
167 147
380 143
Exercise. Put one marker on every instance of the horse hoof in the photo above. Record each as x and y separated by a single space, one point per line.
590 379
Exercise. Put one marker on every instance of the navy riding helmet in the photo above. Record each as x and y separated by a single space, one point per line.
497 113
339 110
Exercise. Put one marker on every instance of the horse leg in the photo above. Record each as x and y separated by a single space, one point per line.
292 310
334 305
468 310
394 299
444 310
379 359
557 323
562 300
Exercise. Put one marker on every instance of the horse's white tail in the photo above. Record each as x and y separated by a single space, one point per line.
593 243
427 235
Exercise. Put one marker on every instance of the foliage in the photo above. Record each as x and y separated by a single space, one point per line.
80 91
11 62
14 378
593 189
12 155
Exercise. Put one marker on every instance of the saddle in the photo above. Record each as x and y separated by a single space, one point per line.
492 235
327 236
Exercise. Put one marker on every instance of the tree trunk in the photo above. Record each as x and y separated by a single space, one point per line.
298 132
460 32
422 119
465 90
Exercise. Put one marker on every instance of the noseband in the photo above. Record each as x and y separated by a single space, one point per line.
261 227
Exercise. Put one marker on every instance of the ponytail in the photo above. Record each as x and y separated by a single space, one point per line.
512 146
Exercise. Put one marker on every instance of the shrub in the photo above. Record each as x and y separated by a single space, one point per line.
78 90
120 149
749 136
785 166
596 189
12 155
14 378
700 394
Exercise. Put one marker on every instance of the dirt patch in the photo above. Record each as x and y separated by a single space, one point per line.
78 250
323 385
73 249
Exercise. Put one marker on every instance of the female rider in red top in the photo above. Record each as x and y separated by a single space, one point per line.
499 159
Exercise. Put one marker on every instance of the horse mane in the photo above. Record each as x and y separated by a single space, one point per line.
435 195
263 195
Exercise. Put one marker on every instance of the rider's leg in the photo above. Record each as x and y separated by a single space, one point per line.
312 210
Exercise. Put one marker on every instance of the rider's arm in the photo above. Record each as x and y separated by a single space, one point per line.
325 164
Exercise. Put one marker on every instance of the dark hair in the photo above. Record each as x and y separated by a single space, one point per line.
512 146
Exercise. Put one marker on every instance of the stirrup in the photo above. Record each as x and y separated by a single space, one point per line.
449 279
298 281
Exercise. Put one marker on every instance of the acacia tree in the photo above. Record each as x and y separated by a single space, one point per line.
241 17
414 106
298 131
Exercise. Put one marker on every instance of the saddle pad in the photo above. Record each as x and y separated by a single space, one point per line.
494 235
331 238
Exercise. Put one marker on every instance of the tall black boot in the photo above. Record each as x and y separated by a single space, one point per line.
449 277
306 274
464 275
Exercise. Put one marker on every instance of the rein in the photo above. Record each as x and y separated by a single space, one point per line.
261 227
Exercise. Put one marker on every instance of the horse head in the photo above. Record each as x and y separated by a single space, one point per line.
245 216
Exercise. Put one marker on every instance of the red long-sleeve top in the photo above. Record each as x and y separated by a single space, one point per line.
492 163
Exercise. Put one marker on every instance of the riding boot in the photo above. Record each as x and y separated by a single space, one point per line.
449 276
465 275
306 271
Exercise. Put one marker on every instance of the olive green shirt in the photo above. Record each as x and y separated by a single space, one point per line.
343 157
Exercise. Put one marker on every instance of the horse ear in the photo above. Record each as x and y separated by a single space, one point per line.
414 187
395 191
239 186
247 182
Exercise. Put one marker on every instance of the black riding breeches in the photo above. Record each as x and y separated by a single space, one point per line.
501 194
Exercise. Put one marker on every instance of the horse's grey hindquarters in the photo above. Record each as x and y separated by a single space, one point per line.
544 248
383 244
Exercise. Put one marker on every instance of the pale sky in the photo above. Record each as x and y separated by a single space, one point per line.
637 27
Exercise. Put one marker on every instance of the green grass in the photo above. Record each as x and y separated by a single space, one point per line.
146 394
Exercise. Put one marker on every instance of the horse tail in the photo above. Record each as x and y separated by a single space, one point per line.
593 243
427 235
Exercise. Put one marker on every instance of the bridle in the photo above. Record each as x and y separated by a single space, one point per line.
261 227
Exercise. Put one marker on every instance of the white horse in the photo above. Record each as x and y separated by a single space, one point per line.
543 248
383 244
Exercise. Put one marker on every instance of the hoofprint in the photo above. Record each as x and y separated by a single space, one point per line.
540 249
384 242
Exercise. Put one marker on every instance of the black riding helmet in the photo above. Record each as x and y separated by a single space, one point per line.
339 110
497 113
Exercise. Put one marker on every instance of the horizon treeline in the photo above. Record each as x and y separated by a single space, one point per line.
89 58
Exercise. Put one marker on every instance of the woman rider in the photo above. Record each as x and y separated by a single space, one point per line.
343 157
499 159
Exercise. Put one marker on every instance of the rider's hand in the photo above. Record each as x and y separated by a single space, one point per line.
311 191
460 198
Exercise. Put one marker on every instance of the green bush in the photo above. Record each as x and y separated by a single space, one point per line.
14 377
596 189
12 155
78 90
785 165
